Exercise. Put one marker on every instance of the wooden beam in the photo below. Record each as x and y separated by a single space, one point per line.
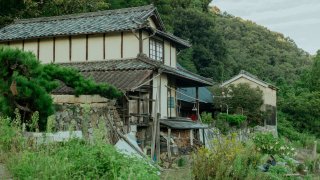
104 46
197 103
70 48
139 98
121 44
87 39
158 138
168 144
38 48
140 42
191 137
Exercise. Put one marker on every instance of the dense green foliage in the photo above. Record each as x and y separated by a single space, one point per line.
79 160
240 99
206 117
9 10
26 84
268 144
76 159
227 122
301 103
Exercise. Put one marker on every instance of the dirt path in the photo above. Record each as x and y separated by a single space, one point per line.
4 175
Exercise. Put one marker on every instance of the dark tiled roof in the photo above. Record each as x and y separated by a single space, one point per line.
126 74
173 38
123 80
87 23
110 65
84 23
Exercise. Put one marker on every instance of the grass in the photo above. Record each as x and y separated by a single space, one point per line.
75 159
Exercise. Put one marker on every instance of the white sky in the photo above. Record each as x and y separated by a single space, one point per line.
298 19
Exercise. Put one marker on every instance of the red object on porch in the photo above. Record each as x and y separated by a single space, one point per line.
193 117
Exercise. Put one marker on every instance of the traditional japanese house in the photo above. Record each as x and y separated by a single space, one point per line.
128 48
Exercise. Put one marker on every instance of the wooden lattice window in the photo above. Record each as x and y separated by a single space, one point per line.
156 49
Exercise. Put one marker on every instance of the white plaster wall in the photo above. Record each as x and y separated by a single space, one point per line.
155 94
95 47
172 111
113 46
31 46
46 50
78 49
152 24
62 50
167 53
130 45
173 57
16 44
269 95
164 96
145 43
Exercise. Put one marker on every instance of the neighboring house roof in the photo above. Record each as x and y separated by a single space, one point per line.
127 74
251 77
87 23
205 95
182 123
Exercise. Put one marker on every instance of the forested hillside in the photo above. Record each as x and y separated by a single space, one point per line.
222 45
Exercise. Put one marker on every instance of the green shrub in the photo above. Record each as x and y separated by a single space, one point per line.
206 117
233 120
225 121
79 160
228 159
10 135
268 144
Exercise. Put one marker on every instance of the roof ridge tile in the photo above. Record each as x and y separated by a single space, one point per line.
86 14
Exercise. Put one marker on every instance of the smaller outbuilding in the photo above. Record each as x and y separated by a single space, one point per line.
269 93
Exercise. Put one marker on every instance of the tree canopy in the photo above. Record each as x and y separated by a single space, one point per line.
26 84
240 99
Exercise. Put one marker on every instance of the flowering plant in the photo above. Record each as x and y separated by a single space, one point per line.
268 144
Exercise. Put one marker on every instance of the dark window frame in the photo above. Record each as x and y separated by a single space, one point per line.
156 49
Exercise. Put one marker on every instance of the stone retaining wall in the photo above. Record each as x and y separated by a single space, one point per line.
87 113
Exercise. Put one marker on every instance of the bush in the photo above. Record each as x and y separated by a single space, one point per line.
233 120
206 117
225 121
286 129
79 160
10 135
75 159
268 144
228 159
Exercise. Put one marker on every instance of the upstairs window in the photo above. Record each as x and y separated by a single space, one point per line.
156 50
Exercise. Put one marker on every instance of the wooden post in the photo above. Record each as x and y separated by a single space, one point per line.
197 103
168 144
203 137
191 137
314 151
158 138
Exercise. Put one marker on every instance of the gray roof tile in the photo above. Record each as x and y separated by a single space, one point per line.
86 23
